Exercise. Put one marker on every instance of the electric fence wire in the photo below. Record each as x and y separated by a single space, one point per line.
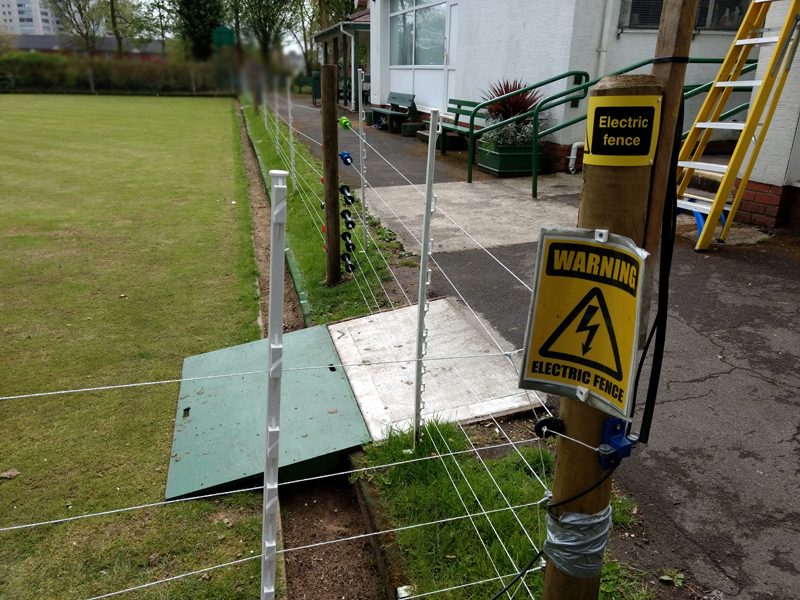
285 370
479 503
446 215
466 585
368 286
277 141
494 481
482 462
530 468
362 536
464 380
471 488
452 285
359 471
307 201
526 392
485 513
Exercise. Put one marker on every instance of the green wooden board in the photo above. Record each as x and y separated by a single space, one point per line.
220 423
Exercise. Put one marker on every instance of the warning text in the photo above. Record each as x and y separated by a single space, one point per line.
601 265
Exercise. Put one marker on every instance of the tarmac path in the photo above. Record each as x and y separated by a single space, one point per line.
719 482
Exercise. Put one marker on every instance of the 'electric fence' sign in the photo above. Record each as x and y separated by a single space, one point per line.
622 130
583 325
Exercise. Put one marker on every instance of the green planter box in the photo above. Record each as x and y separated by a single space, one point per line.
506 160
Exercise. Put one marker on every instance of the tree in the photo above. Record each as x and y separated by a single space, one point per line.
82 20
268 21
235 11
158 20
8 42
333 11
196 20
304 18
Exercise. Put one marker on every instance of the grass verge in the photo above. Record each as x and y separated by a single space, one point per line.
457 553
359 293
121 253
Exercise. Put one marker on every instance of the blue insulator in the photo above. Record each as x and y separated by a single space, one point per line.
346 158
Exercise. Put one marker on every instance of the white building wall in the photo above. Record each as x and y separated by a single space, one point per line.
778 162
513 40
538 39
627 47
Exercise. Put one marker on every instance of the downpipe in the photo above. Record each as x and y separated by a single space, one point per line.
573 156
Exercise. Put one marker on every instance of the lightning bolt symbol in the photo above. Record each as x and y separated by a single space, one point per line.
590 329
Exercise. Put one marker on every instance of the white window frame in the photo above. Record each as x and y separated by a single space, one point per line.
413 10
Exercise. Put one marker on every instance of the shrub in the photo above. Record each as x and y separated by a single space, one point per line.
34 72
39 72
518 133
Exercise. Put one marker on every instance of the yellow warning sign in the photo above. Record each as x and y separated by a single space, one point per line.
583 326
622 131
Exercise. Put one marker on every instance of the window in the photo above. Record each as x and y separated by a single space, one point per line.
711 14
417 32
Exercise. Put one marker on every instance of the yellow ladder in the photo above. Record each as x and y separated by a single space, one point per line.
751 34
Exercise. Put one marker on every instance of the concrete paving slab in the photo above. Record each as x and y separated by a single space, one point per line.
457 389
495 213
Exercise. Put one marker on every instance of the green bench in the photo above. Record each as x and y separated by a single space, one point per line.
302 82
454 107
396 101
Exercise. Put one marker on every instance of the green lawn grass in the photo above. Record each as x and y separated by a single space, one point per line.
121 254
456 553
359 293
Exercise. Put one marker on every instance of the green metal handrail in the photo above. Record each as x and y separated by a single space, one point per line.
474 134
564 97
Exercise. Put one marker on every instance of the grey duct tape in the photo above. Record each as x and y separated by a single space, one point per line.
576 544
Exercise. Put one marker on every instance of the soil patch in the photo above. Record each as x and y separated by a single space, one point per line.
260 206
317 511
312 513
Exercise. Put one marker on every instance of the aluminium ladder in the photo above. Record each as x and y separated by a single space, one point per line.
752 33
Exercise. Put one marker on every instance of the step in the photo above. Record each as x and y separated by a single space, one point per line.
702 166
454 141
720 125
761 41
698 204
741 83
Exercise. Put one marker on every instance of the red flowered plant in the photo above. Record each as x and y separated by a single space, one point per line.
514 106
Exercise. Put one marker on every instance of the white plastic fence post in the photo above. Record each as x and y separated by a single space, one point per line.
269 531
425 272
291 131
362 154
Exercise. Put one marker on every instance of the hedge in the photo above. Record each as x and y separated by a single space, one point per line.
34 72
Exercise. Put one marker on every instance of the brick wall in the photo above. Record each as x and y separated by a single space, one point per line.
555 157
767 205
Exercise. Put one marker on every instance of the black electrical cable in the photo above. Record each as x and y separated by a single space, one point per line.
527 567
668 227
583 493
519 575
659 329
